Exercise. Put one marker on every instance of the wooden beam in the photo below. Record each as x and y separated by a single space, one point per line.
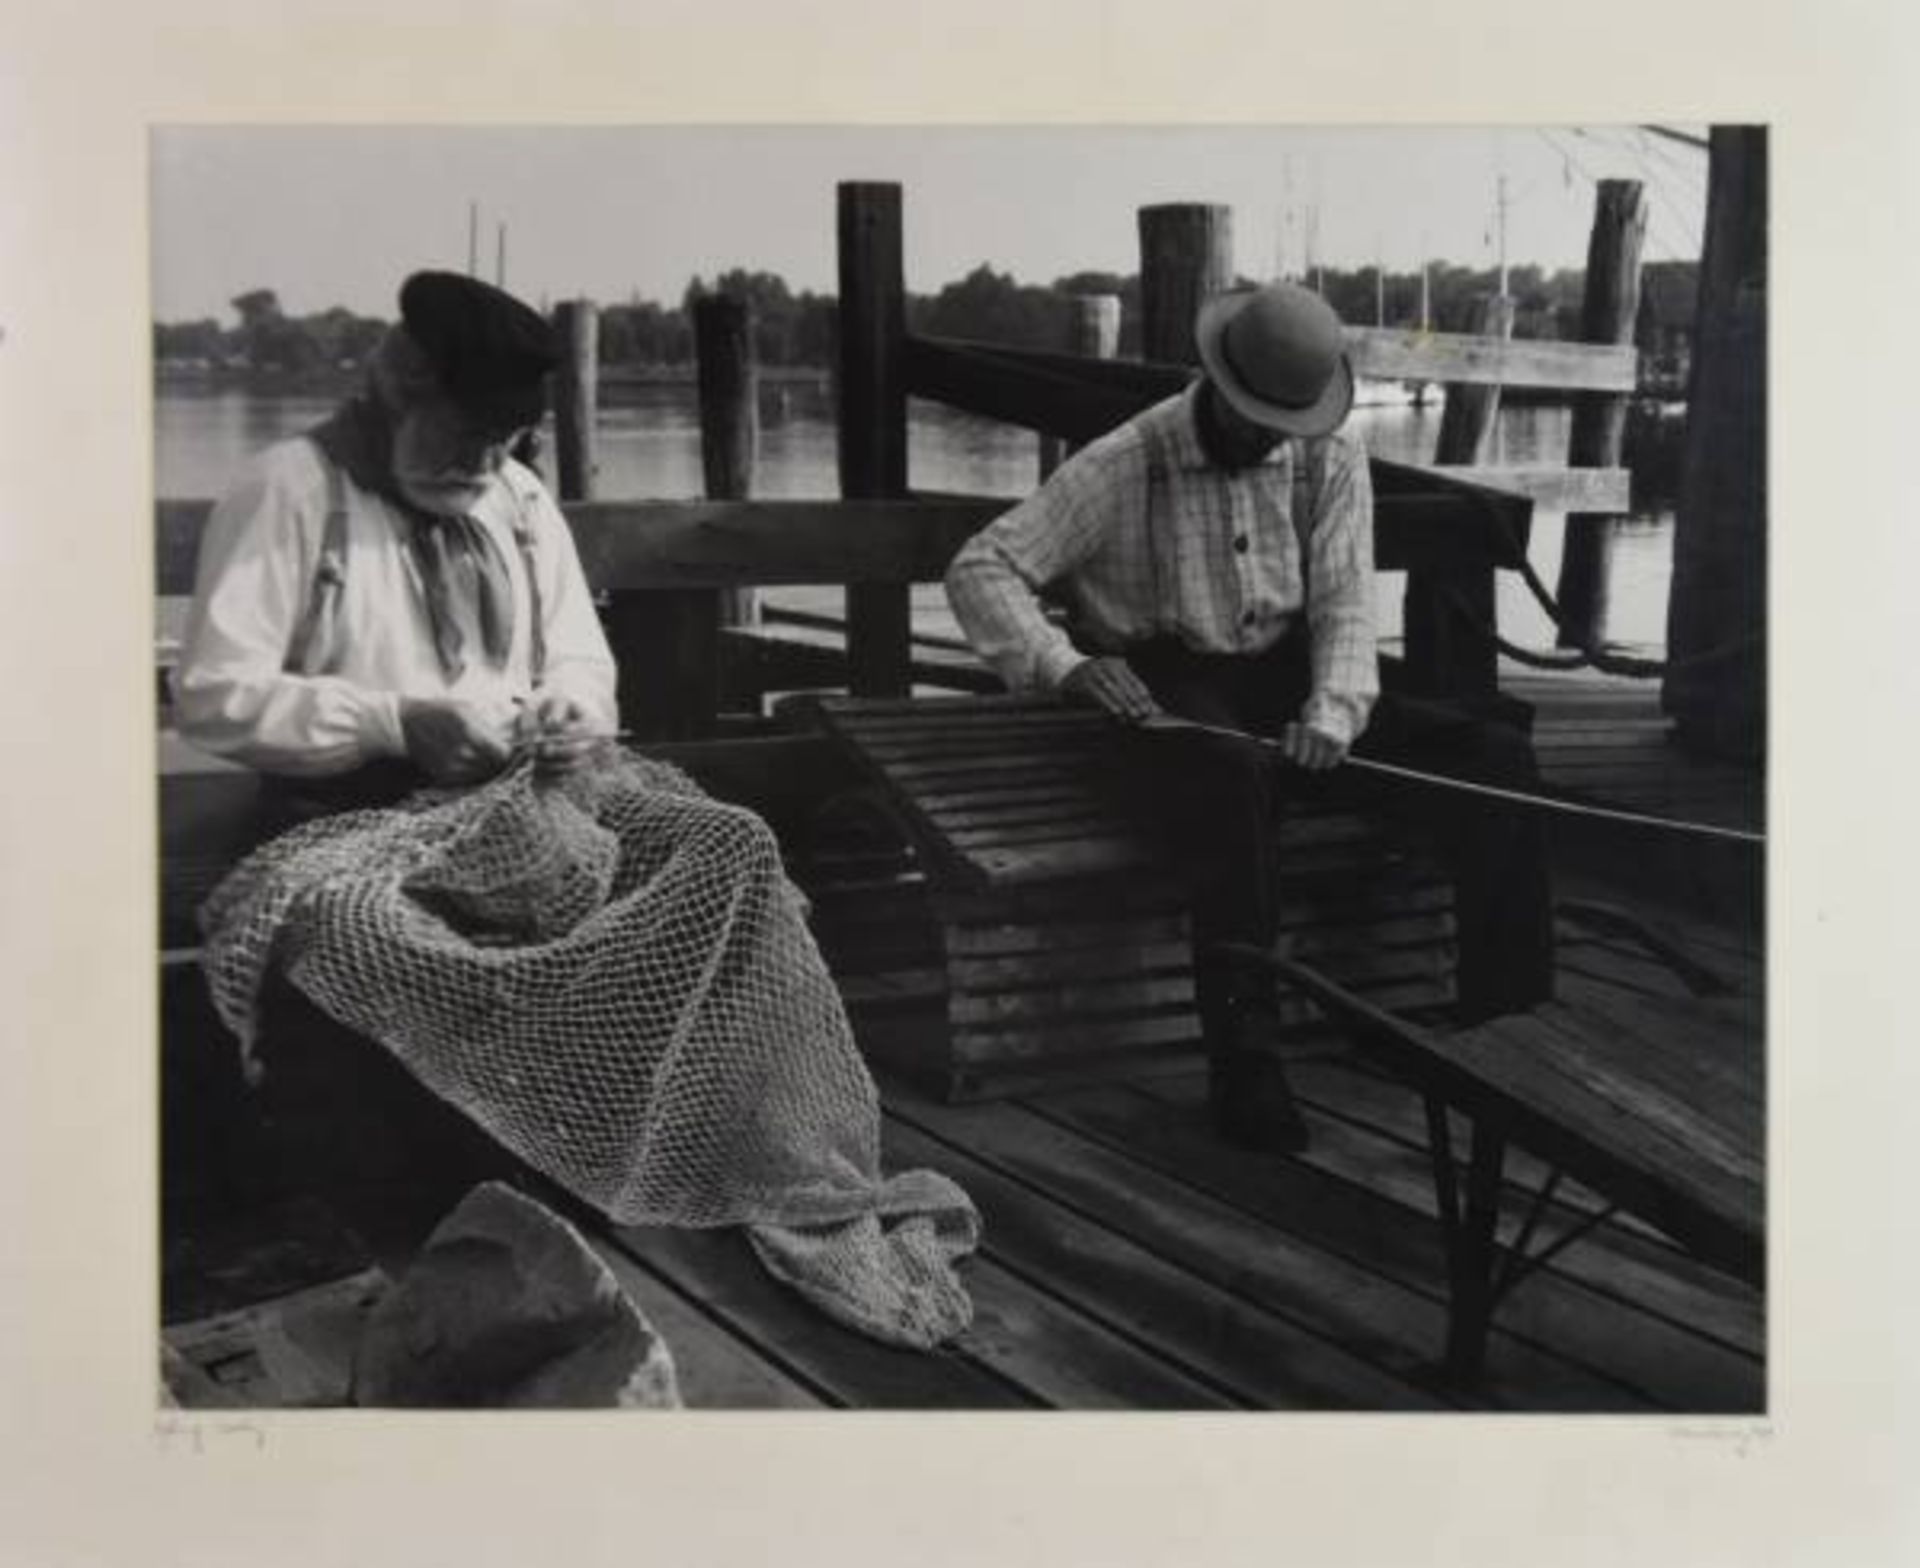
651 545
1186 257
1608 313
704 544
1093 332
1449 603
1716 685
1387 353
666 644
773 543
1020 388
576 398
1148 381
729 385
1558 489
1394 354
873 414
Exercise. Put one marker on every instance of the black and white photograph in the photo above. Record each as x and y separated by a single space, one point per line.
1092 785
957 768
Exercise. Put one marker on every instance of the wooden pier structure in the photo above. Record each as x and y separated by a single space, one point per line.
1131 1260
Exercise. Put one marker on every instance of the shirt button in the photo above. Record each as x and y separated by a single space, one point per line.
1240 543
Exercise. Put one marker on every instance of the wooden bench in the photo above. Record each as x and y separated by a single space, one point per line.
1592 1085
1064 928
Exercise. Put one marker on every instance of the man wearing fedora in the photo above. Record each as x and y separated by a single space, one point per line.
390 599
1215 554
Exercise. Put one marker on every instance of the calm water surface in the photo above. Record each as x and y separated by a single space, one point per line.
650 448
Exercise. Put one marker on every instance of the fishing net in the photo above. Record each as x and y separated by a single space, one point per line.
611 974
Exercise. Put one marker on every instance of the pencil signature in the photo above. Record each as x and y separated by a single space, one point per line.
1743 1437
177 1434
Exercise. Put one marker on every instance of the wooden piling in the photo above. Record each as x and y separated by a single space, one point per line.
1466 425
729 383
872 411
1448 608
1093 332
576 398
1186 256
661 641
1716 620
1608 313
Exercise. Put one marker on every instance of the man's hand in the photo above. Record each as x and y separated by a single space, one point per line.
452 742
1312 749
1110 683
557 731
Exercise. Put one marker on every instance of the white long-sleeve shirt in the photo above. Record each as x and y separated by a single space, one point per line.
340 708
1152 539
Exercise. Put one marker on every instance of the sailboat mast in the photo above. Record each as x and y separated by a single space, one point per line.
1501 215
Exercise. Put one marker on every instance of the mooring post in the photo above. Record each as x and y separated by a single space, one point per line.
1715 685
1447 611
729 381
576 398
873 419
645 631
1186 256
1093 332
1607 315
665 642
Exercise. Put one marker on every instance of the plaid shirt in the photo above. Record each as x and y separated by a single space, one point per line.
1147 538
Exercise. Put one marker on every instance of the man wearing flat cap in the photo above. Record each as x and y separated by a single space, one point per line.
391 599
1215 554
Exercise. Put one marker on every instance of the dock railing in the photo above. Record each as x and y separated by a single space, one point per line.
674 574
1185 255
663 566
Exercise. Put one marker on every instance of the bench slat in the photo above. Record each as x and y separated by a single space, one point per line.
1106 961
1011 803
1058 1036
1055 1001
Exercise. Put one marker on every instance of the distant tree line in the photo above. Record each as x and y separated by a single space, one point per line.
267 339
795 330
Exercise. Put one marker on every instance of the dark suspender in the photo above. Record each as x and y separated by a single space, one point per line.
330 576
329 572
1299 506
537 622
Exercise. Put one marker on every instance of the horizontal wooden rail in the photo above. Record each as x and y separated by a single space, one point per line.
1387 354
1079 398
1143 381
644 546
1559 489
1044 393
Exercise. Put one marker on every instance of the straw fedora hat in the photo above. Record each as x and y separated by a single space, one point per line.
1278 356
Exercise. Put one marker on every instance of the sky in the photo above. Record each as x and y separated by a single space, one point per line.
338 215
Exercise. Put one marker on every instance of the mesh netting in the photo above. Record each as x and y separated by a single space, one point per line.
612 975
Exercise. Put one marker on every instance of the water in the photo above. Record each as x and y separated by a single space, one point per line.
650 447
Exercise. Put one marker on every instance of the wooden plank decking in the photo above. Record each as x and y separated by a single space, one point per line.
1605 740
1132 1261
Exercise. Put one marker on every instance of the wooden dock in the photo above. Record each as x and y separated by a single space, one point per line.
1131 1259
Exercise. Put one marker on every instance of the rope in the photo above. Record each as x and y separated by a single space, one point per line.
1466 786
1587 654
1584 653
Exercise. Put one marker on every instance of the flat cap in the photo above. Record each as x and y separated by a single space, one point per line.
491 352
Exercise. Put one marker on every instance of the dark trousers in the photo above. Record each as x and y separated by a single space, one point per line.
1220 800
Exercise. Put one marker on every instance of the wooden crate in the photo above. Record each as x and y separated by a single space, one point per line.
1052 937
